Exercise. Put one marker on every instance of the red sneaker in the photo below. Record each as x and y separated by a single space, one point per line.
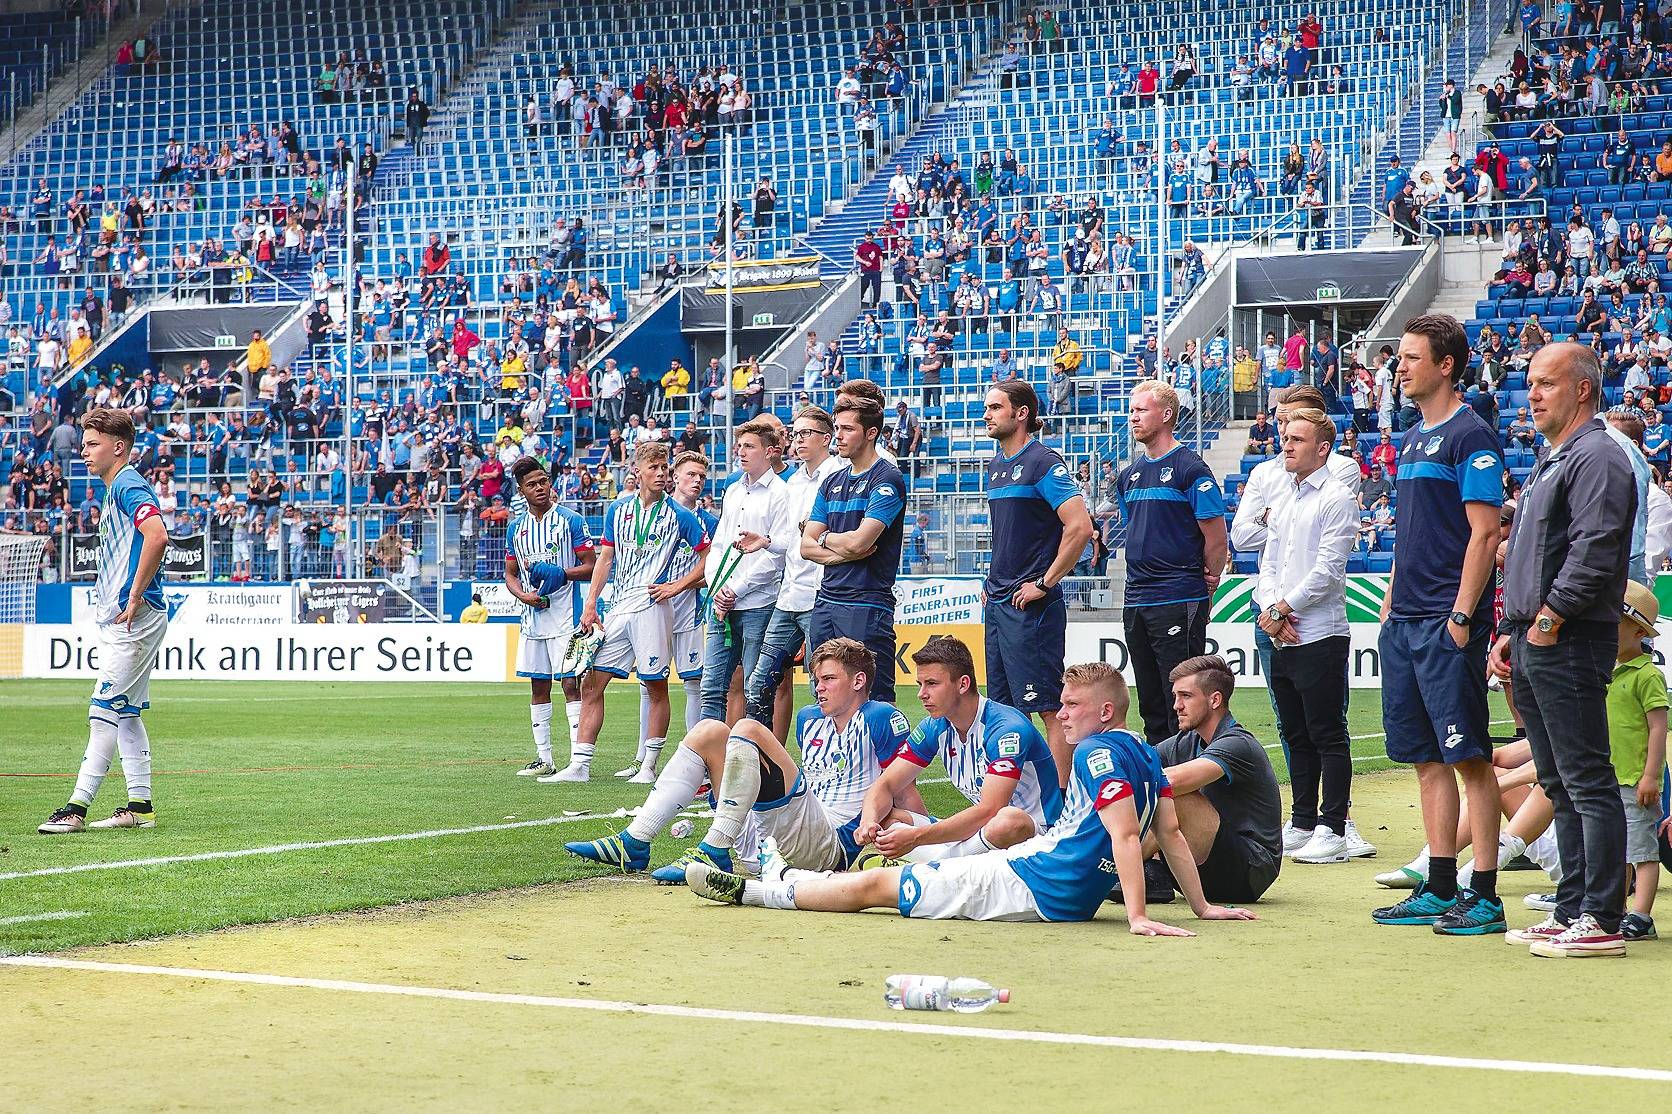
1584 939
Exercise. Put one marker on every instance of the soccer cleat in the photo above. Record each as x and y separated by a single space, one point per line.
1544 903
583 648
63 822
628 772
1547 929
620 850
1638 926
1472 915
1324 847
127 818
1584 939
869 858
1295 838
674 873
1357 846
537 768
1422 907
772 866
715 885
574 771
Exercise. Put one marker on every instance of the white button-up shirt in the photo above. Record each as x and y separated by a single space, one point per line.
801 576
757 507
1309 536
1270 484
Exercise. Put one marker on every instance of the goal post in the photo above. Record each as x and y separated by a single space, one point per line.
20 573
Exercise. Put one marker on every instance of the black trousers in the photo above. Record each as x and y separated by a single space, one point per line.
1308 685
1159 637
1562 693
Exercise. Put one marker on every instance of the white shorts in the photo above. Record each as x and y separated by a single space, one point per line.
807 835
688 652
125 661
976 888
541 659
637 643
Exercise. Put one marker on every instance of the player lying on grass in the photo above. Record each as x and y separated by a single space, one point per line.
549 554
812 810
993 754
132 621
1117 793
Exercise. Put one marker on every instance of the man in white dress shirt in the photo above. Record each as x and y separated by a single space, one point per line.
1302 597
1268 485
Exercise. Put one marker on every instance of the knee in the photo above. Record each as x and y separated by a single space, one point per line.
1008 827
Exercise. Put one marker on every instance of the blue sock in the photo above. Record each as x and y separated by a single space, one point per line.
721 855
633 844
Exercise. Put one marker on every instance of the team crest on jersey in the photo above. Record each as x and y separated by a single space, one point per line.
1166 475
653 660
1016 472
1433 445
1010 745
1099 763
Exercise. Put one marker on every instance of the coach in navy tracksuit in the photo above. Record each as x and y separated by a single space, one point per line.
1040 529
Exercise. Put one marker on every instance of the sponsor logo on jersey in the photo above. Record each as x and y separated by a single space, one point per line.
1010 746
1005 767
1112 791
1060 470
897 722
1205 485
1484 462
1099 763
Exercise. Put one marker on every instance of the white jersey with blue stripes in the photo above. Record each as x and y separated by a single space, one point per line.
647 541
558 537
1002 742
839 765
688 607
129 501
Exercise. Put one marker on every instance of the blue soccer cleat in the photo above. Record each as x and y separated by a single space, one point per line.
620 850
674 873
1422 907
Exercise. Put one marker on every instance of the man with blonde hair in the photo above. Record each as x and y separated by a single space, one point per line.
1175 551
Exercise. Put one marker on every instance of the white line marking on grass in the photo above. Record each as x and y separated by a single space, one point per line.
284 848
967 1032
1376 735
29 918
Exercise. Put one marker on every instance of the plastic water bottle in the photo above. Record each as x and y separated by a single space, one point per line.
937 992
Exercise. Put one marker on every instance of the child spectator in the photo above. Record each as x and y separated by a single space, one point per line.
1637 704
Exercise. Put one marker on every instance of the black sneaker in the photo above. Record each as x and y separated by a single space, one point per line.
1636 926
1158 885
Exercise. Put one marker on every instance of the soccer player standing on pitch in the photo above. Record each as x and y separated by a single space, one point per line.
1040 528
855 531
550 552
132 618
1175 552
1437 626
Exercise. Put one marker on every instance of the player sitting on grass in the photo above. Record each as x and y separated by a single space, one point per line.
1118 791
994 755
811 810
550 551
132 618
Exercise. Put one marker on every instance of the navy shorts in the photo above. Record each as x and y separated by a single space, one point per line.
1025 649
874 626
1434 694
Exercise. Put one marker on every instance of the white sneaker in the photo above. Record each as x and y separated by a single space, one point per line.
574 771
771 866
1324 847
645 776
1294 838
1357 846
1543 902
537 768
630 771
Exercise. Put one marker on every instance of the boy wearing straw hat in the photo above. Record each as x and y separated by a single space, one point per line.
1637 704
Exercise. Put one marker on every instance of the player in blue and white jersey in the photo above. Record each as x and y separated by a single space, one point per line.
690 476
644 535
549 553
811 809
132 617
994 755
1117 796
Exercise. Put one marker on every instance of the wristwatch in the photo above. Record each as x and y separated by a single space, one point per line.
1041 585
1545 624
1462 618
1273 614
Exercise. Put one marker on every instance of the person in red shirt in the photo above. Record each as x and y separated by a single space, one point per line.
580 403
1311 33
1386 454
868 256
437 256
463 339
1149 79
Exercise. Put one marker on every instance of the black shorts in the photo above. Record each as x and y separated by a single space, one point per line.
1025 650
1236 870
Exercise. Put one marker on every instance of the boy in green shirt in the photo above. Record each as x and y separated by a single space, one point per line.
1637 704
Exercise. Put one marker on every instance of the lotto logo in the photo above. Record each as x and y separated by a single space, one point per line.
145 512
1112 791
1005 767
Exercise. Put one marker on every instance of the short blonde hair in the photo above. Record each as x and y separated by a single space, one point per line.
1317 419
1105 680
650 452
1161 392
685 458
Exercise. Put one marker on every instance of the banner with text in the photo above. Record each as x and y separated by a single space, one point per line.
928 599
208 604
342 601
186 557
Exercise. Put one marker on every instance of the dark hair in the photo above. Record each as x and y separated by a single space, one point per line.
526 467
950 652
867 411
1021 393
1445 337
1211 673
111 421
861 389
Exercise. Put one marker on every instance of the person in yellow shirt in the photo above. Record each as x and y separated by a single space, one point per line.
476 612
511 374
1067 355
80 347
258 356
676 381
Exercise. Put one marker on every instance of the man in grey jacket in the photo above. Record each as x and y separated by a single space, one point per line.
1564 583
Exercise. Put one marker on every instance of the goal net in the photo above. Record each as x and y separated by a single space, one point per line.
20 572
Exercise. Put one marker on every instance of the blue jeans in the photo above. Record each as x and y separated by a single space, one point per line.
785 634
733 640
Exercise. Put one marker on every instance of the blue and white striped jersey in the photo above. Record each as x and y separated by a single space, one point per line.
840 766
647 541
558 537
688 608
128 502
1002 743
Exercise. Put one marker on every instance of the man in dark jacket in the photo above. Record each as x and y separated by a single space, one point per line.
1564 583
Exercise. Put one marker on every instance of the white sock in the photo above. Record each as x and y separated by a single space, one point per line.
739 789
693 702
541 717
673 791
135 748
1420 863
572 710
644 722
769 895
1509 846
580 755
1543 852
931 852
653 752
101 748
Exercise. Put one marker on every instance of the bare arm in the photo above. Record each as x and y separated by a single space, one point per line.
861 541
1479 558
1126 847
879 799
1191 776
1182 863
996 793
1077 530
1214 549
600 577
513 583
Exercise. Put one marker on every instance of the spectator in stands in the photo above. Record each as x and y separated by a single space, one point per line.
868 258
417 118
905 439
1262 436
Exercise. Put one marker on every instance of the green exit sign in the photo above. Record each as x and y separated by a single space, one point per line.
1328 292
764 319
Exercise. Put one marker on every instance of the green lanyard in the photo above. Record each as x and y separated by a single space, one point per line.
641 530
721 575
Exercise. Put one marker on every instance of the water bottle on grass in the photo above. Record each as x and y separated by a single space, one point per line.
937 992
